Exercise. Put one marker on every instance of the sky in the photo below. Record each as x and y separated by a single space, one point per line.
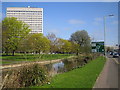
65 18
60 0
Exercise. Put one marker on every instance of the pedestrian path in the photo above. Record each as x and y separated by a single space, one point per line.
108 78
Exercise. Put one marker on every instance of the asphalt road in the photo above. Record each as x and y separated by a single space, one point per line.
108 78
119 73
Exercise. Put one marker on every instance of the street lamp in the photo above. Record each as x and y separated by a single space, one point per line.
105 31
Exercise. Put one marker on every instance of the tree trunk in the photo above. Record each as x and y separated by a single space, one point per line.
39 51
6 51
13 53
77 52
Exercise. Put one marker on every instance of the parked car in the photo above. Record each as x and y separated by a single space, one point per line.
111 53
115 55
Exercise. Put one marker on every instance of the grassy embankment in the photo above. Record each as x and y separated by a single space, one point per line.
30 57
84 77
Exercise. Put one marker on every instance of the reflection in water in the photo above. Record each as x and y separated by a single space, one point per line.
64 66
58 66
55 68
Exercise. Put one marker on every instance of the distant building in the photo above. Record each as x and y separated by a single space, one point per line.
31 16
97 46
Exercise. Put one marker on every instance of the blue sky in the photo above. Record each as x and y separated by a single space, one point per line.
64 18
60 1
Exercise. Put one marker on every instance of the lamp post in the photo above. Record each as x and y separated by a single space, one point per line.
105 31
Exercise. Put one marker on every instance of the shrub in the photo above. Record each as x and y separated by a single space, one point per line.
26 76
84 58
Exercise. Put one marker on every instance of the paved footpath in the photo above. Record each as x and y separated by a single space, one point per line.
108 78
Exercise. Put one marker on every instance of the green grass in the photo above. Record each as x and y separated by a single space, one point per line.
31 57
84 77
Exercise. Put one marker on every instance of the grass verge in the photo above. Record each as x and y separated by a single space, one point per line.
84 77
31 57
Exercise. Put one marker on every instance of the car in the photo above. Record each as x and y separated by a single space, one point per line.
115 55
111 53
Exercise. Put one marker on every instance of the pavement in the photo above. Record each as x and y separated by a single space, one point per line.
108 78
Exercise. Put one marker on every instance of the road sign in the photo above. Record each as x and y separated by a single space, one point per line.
97 46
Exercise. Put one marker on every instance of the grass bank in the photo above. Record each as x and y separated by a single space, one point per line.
31 57
84 77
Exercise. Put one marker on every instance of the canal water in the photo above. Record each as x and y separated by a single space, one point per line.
64 66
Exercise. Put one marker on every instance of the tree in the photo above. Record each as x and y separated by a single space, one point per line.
53 42
38 43
0 37
75 48
65 46
52 37
109 48
82 38
13 31
25 45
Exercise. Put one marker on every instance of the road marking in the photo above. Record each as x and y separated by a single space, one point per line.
116 61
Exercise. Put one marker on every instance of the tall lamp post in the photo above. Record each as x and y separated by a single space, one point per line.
105 31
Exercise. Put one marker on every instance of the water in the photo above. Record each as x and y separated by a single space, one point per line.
58 66
52 69
64 66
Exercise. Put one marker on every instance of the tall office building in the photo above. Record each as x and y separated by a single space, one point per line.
31 16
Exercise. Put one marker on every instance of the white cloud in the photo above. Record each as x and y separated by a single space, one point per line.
97 35
97 21
55 31
75 21
67 28
115 22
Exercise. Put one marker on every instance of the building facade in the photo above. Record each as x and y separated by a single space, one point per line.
31 16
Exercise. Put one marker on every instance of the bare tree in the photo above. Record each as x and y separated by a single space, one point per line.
53 42
82 38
